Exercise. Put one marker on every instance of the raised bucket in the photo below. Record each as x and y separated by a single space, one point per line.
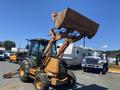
72 20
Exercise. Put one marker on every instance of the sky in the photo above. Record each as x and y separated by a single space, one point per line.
26 19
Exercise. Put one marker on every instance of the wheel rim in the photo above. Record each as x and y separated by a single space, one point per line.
38 84
21 72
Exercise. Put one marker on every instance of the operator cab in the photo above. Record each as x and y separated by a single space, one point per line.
36 50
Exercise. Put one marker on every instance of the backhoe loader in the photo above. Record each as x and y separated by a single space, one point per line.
44 64
17 57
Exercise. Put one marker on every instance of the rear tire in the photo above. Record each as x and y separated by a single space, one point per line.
9 61
41 82
24 71
84 69
72 78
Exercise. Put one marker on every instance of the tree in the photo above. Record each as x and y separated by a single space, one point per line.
1 44
9 44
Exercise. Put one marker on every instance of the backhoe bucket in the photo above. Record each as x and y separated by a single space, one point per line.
71 20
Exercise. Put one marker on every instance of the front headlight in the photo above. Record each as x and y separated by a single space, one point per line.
84 60
100 62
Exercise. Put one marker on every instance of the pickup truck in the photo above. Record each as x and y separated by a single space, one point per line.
95 61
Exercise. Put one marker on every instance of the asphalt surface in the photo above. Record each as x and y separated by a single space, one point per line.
85 81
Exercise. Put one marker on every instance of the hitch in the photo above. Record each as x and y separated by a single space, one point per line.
10 74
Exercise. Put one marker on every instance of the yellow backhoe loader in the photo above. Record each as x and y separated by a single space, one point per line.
43 63
17 57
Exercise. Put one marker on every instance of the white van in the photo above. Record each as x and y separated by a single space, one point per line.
73 55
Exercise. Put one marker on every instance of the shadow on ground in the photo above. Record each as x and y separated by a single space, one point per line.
82 87
77 86
94 71
75 67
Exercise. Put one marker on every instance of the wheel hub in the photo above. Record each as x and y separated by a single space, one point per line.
21 72
38 84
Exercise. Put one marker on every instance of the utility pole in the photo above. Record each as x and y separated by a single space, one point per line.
84 42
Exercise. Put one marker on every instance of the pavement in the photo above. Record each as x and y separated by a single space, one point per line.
85 80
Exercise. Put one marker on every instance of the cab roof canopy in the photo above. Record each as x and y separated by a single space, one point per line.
38 40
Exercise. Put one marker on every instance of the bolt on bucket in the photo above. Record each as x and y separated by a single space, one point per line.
72 20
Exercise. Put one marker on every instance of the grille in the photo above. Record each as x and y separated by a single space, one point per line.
91 61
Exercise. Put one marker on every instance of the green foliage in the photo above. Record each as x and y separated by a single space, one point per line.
9 44
112 53
1 44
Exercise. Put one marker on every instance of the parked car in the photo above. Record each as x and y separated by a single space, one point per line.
8 54
2 55
96 60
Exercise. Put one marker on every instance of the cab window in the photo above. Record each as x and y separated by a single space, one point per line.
53 50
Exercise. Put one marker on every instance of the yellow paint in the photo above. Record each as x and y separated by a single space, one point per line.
13 57
52 66
114 70
56 81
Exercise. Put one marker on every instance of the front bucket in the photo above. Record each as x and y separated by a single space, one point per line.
71 20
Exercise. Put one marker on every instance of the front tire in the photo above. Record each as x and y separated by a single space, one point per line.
72 78
105 69
24 71
41 82
84 69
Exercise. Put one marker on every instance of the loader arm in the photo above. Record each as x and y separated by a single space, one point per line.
70 26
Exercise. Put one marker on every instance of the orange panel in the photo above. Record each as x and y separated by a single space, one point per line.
52 66
13 58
